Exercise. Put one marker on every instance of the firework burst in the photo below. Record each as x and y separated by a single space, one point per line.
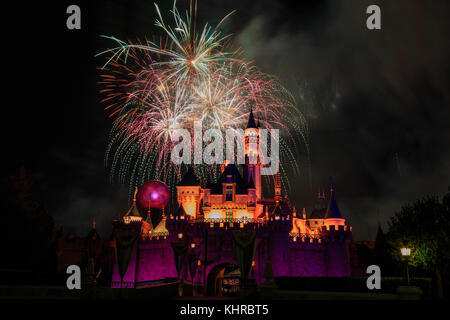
155 87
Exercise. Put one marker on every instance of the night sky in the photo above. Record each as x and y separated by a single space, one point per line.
377 102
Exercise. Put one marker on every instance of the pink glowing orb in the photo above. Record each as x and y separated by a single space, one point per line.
153 194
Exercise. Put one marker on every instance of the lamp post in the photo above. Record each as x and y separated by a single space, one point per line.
406 252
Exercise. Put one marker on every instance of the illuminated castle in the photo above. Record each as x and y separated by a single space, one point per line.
296 244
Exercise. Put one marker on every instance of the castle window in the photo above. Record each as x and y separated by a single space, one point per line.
229 215
229 193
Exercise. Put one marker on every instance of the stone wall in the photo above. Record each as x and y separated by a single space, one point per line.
155 260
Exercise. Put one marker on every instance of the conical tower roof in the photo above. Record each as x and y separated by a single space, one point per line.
133 211
333 211
251 120
161 229
148 219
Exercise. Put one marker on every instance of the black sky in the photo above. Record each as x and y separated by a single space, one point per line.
377 101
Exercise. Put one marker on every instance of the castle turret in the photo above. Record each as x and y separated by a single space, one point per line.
333 215
316 218
189 193
252 167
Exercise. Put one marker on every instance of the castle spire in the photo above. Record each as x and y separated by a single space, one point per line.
134 196
333 211
251 120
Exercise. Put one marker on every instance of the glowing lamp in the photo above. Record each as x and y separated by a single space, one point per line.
153 194
405 251
242 225
192 245
253 263
180 236
295 239
199 263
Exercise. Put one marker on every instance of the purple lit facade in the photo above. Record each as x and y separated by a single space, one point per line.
320 244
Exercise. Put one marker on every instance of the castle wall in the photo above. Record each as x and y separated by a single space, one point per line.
307 260
338 255
279 253
155 260
302 257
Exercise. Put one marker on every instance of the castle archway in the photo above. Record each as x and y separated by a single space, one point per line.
223 280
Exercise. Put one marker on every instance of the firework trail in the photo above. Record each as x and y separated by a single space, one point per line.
152 88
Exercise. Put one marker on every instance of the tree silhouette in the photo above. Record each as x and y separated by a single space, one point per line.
424 227
26 237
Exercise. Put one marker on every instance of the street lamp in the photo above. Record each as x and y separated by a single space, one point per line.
406 252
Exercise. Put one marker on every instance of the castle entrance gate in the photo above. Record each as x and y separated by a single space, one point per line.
223 280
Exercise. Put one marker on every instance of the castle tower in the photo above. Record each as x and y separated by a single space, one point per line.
333 215
316 218
252 168
189 193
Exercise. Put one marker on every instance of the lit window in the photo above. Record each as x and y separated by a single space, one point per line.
229 193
